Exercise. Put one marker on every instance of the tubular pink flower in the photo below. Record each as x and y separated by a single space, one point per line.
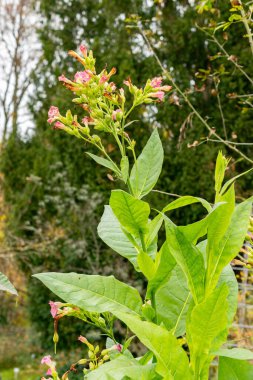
104 78
83 50
62 78
49 372
53 112
59 125
46 360
156 82
158 94
87 120
82 76
83 339
55 305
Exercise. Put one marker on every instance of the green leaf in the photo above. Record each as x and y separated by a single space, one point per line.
105 162
169 354
124 166
230 244
228 277
153 229
148 166
189 258
6 285
186 201
231 369
164 263
93 293
173 299
172 302
146 264
235 353
206 321
120 367
232 180
220 168
132 213
194 231
110 231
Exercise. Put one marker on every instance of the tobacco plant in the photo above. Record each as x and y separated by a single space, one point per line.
191 294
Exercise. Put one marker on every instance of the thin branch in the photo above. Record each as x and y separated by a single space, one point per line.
186 99
220 109
235 63
246 23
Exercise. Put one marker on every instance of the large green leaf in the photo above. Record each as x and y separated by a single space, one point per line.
148 166
228 277
172 302
132 213
186 201
128 246
196 230
235 353
120 367
206 322
221 255
231 369
172 361
189 258
93 293
6 285
164 263
110 231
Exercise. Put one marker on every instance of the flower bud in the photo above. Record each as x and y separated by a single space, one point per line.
91 365
82 361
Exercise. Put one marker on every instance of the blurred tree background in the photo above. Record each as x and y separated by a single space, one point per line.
54 194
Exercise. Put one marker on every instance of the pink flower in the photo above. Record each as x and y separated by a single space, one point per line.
46 360
117 347
104 78
55 305
53 111
156 82
82 76
114 114
87 120
113 86
49 372
128 82
82 339
59 125
83 50
62 78
158 94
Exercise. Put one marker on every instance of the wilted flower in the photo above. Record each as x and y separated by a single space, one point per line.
55 306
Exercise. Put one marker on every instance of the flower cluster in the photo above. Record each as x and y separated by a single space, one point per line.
94 360
104 105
